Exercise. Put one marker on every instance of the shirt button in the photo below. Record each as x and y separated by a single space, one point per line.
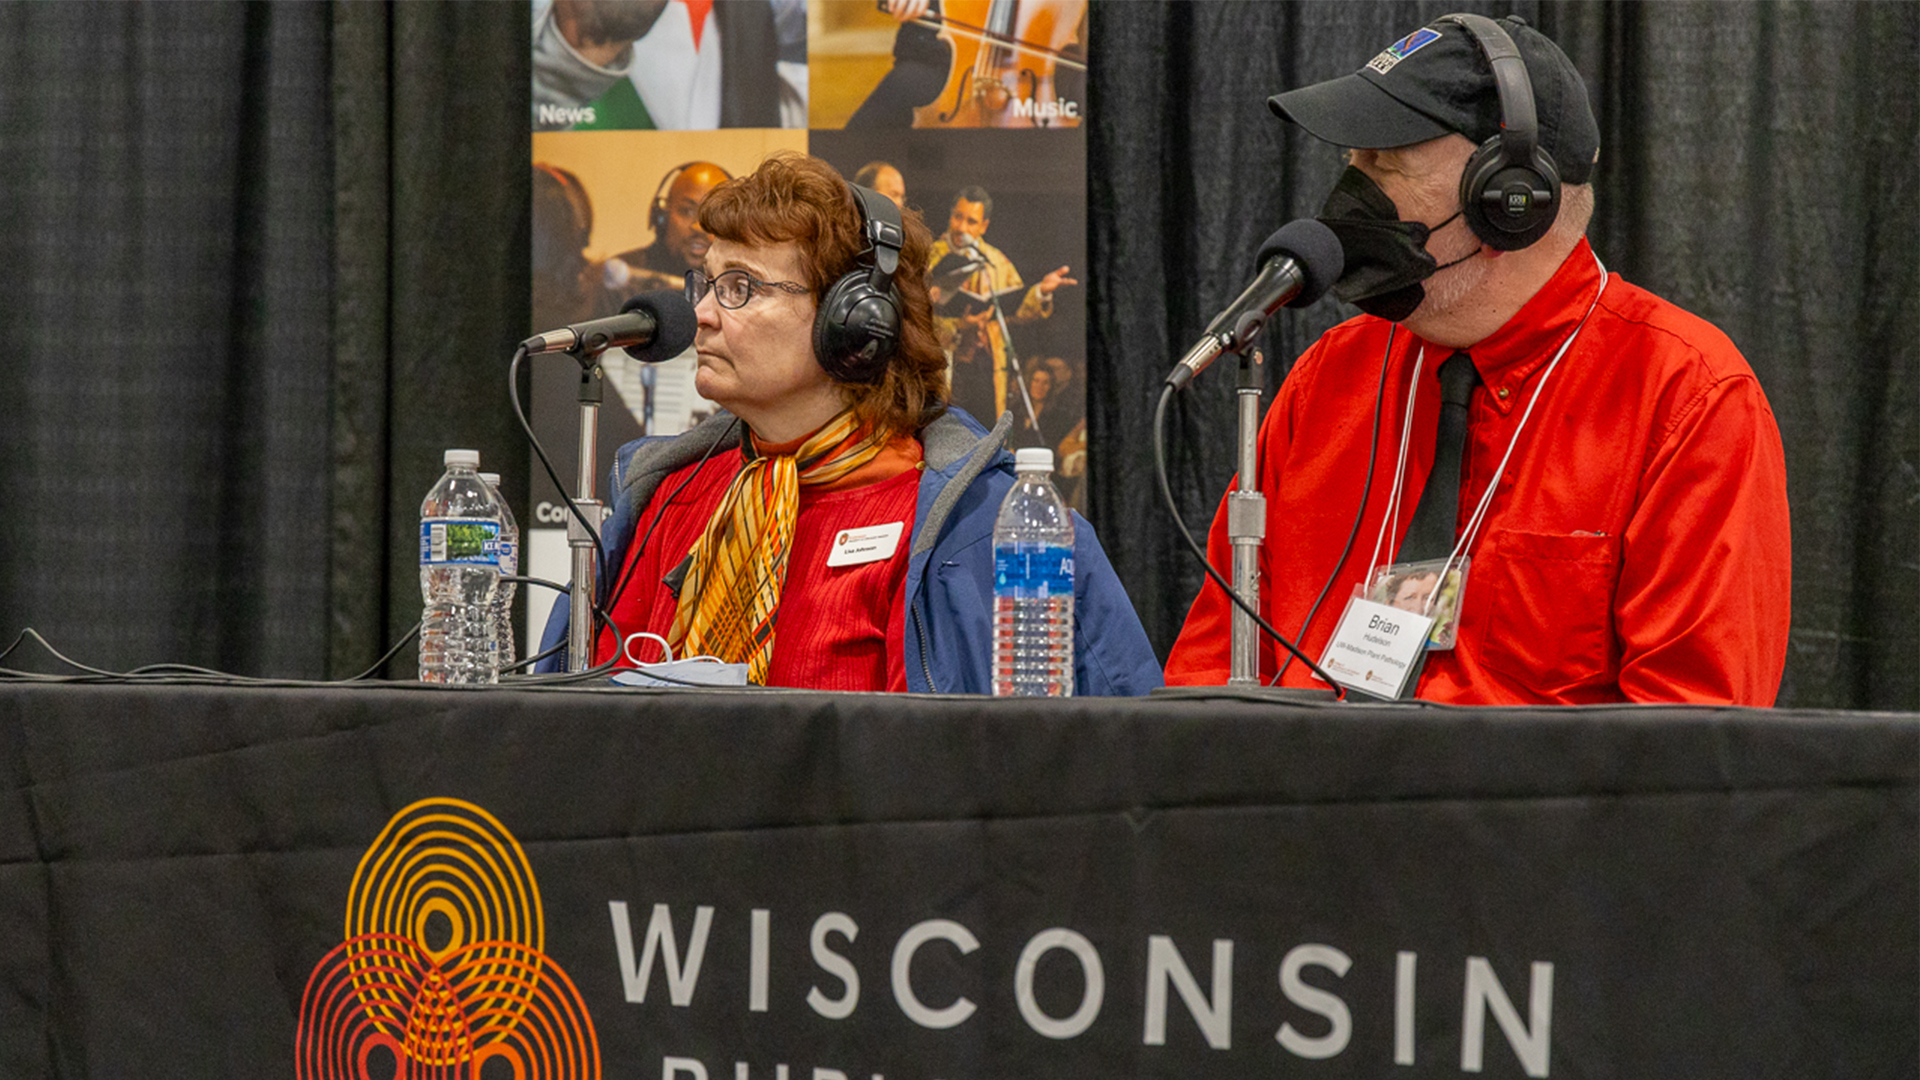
1504 392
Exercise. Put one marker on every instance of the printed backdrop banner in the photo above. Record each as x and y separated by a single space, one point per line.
427 882
967 112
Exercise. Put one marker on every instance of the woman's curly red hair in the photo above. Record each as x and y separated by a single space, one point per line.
799 199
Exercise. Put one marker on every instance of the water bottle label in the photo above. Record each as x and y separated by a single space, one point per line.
459 542
509 557
1032 571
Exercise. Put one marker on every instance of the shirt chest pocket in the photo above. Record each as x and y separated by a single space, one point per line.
1550 607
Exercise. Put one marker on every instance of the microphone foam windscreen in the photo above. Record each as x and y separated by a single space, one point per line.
674 324
1312 245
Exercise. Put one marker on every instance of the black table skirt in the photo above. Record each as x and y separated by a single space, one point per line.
409 881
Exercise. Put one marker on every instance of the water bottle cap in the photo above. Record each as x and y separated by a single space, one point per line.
1033 459
469 458
492 479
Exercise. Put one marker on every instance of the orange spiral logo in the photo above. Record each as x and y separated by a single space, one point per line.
441 970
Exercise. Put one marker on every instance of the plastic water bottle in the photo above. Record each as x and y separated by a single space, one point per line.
460 527
1033 585
502 619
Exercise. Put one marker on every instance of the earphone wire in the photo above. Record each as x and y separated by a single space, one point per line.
633 559
1366 491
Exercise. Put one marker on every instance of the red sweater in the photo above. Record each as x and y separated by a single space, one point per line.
838 628
1637 546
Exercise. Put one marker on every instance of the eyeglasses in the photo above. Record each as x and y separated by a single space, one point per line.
733 288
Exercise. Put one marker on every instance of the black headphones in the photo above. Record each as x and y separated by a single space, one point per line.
657 211
857 328
1510 191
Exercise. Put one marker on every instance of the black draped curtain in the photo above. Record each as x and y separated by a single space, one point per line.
261 263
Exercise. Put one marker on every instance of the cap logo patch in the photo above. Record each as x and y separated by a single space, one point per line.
1403 48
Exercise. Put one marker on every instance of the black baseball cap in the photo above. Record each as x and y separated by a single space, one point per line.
1437 80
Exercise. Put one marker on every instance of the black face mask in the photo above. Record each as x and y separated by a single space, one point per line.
1386 258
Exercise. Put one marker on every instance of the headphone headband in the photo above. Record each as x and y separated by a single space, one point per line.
1510 188
857 328
880 223
1519 123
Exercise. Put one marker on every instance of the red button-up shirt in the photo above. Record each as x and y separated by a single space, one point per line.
1637 545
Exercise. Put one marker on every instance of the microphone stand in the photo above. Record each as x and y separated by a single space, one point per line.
1247 524
586 568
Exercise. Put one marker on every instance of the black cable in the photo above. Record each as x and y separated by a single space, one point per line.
534 659
603 620
522 579
619 652
1366 491
30 632
173 673
563 590
633 558
390 653
1173 508
520 414
191 675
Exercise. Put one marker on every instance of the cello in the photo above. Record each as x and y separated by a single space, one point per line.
1016 64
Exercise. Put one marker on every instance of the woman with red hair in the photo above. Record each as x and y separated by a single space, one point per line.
832 527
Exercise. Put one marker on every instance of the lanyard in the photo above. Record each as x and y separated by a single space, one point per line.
1389 525
1390 522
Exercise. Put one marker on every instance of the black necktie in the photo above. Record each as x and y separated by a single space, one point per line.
1431 536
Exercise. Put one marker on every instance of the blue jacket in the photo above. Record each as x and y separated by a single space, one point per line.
949 591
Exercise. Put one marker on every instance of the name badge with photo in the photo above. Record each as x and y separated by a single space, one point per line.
851 547
1419 587
1375 647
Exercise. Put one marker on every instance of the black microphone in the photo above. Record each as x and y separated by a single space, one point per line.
652 327
1298 265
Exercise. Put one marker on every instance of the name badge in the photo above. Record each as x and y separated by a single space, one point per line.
871 544
1413 587
1374 648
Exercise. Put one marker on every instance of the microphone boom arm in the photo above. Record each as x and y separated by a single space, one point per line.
1235 329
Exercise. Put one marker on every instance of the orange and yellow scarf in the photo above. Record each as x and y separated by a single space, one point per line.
732 590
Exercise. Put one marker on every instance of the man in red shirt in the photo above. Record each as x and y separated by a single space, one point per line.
1610 510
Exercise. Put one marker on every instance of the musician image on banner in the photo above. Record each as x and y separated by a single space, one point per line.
674 216
569 286
885 178
1053 409
831 527
978 294
658 398
981 63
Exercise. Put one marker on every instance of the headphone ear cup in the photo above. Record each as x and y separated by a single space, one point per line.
1503 202
856 330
